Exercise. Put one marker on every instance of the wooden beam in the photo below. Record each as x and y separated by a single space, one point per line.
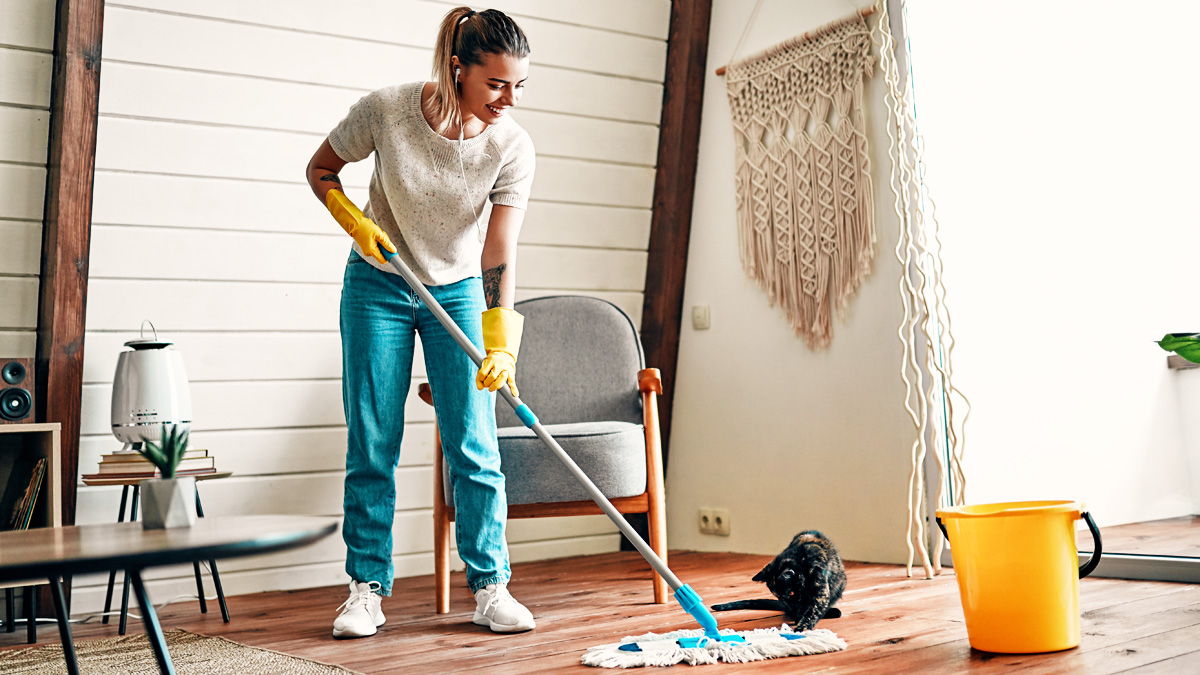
74 97
674 188
671 215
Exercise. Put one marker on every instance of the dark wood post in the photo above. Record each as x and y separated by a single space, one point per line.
674 189
671 217
74 97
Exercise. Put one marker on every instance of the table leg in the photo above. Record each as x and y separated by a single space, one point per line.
196 563
212 564
10 611
220 593
112 576
153 630
200 587
125 584
64 627
31 594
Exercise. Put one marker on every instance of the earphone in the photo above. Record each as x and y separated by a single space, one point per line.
463 170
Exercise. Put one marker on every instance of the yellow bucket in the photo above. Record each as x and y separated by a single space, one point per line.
1018 573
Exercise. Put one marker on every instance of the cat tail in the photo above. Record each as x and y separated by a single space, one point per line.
764 603
833 613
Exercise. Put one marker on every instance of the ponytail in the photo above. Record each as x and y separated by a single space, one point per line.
468 35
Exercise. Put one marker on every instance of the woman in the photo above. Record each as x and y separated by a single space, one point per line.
443 150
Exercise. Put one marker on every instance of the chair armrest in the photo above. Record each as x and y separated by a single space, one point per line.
649 380
425 393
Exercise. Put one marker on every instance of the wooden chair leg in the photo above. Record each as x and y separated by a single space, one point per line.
658 543
441 534
441 564
650 384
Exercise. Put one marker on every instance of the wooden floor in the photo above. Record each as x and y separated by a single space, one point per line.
893 624
1170 536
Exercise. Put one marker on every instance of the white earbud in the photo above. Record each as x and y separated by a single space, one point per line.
457 72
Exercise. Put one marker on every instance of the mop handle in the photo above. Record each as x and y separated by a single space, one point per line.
687 597
530 421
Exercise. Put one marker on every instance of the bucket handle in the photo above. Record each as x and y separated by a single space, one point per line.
1097 550
1084 569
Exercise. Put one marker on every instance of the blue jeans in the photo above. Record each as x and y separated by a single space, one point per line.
380 314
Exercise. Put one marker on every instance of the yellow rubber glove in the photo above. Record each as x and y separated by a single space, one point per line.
363 229
501 340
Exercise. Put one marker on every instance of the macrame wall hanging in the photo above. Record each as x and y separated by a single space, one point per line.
805 212
937 408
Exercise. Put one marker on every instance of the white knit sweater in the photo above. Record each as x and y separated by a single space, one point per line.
418 195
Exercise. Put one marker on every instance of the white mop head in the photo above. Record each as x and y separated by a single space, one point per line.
664 649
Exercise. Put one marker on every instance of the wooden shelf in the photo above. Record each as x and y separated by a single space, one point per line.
32 441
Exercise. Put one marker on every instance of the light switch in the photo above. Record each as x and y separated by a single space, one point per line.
701 319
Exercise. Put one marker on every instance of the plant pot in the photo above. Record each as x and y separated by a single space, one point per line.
168 502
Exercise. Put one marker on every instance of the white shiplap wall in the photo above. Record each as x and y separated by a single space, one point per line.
26 58
209 111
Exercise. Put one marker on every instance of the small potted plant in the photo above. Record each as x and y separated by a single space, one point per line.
167 501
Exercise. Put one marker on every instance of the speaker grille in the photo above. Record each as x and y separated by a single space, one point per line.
15 404
13 372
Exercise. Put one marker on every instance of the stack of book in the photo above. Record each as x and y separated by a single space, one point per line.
132 465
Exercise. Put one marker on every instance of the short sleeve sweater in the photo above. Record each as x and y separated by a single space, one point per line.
418 194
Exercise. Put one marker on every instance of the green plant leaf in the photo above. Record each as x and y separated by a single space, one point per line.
168 452
1171 341
1187 345
154 454
180 440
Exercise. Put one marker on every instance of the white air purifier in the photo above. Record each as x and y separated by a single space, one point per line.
150 389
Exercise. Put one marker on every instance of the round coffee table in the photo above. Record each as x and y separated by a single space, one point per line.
57 552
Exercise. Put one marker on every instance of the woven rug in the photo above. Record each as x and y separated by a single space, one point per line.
191 653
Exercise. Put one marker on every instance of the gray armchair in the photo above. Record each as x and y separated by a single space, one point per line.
581 369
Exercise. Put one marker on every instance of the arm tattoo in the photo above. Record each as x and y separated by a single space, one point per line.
332 178
491 285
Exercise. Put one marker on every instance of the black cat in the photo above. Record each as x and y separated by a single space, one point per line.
807 579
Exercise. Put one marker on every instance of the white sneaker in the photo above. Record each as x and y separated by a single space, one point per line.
360 614
497 609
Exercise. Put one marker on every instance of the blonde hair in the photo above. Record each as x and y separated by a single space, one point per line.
468 35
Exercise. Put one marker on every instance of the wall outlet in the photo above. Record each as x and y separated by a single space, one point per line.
721 524
714 521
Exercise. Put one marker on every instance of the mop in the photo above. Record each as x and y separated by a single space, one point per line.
706 645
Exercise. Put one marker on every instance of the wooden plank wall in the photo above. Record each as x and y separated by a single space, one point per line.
26 62
209 111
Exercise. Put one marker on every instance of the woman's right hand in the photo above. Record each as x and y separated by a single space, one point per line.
322 173
364 230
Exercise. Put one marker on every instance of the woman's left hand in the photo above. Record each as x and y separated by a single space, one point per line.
497 368
501 340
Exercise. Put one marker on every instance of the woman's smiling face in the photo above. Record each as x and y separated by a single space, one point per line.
488 89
